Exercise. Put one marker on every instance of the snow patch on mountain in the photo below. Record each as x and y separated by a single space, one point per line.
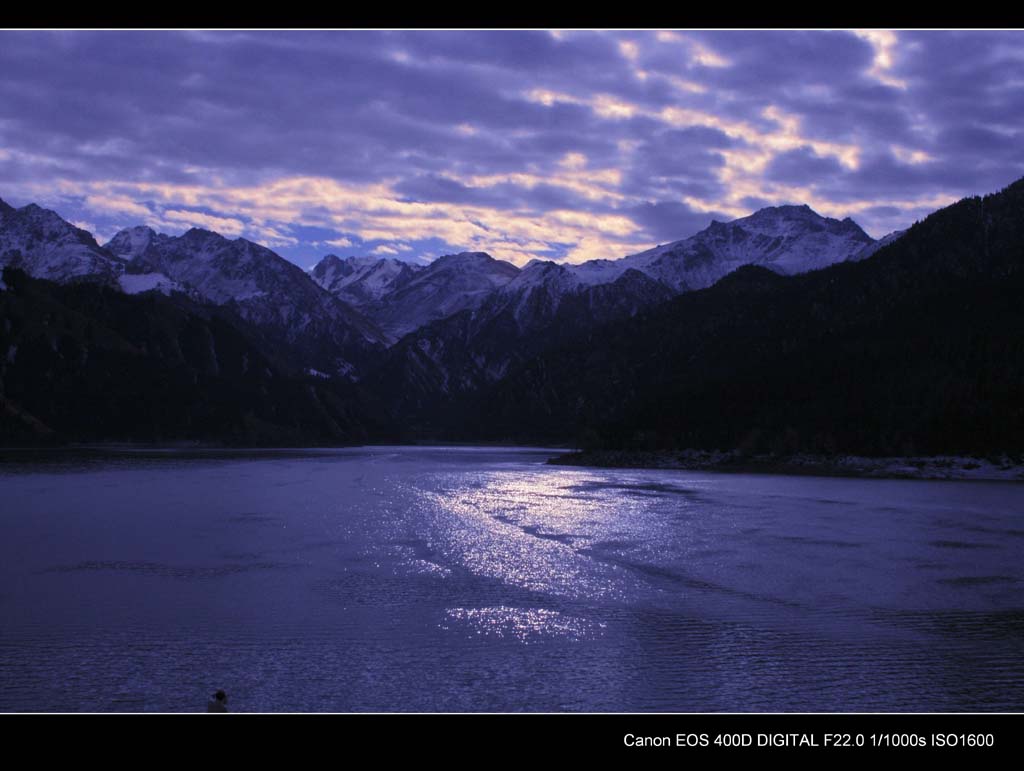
261 286
137 283
362 281
545 273
785 239
39 242
370 301
882 242
130 243
536 293
450 284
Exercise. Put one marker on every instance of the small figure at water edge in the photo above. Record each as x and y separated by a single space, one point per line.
219 702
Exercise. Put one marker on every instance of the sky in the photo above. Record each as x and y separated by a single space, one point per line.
565 145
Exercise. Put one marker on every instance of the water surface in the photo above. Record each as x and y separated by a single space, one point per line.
472 579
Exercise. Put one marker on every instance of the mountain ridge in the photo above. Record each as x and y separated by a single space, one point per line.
914 349
909 344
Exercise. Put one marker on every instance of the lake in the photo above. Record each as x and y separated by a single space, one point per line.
479 579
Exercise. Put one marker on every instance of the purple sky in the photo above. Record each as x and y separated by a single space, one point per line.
565 145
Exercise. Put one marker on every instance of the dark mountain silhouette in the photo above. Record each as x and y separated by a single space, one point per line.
911 345
917 349
80 362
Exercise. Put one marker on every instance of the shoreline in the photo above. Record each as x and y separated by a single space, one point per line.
932 468
942 467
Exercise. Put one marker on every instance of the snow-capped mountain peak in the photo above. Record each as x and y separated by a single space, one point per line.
45 245
536 273
260 285
401 296
354 304
362 281
130 243
785 239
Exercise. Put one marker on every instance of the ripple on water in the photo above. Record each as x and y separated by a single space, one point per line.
523 624
643 489
978 580
567 538
419 582
960 545
169 571
253 518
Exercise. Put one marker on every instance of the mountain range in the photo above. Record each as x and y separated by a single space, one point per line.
650 349
914 350
402 297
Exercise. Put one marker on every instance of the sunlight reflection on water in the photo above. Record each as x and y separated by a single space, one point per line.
477 579
520 623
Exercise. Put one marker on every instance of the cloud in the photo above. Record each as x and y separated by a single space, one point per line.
224 225
667 221
569 144
118 204
802 166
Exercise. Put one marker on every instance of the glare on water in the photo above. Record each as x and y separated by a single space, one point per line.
395 579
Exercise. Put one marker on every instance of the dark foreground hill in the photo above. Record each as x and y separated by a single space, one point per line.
81 362
915 350
918 349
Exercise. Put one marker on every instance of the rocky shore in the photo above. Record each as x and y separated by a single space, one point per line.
936 467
